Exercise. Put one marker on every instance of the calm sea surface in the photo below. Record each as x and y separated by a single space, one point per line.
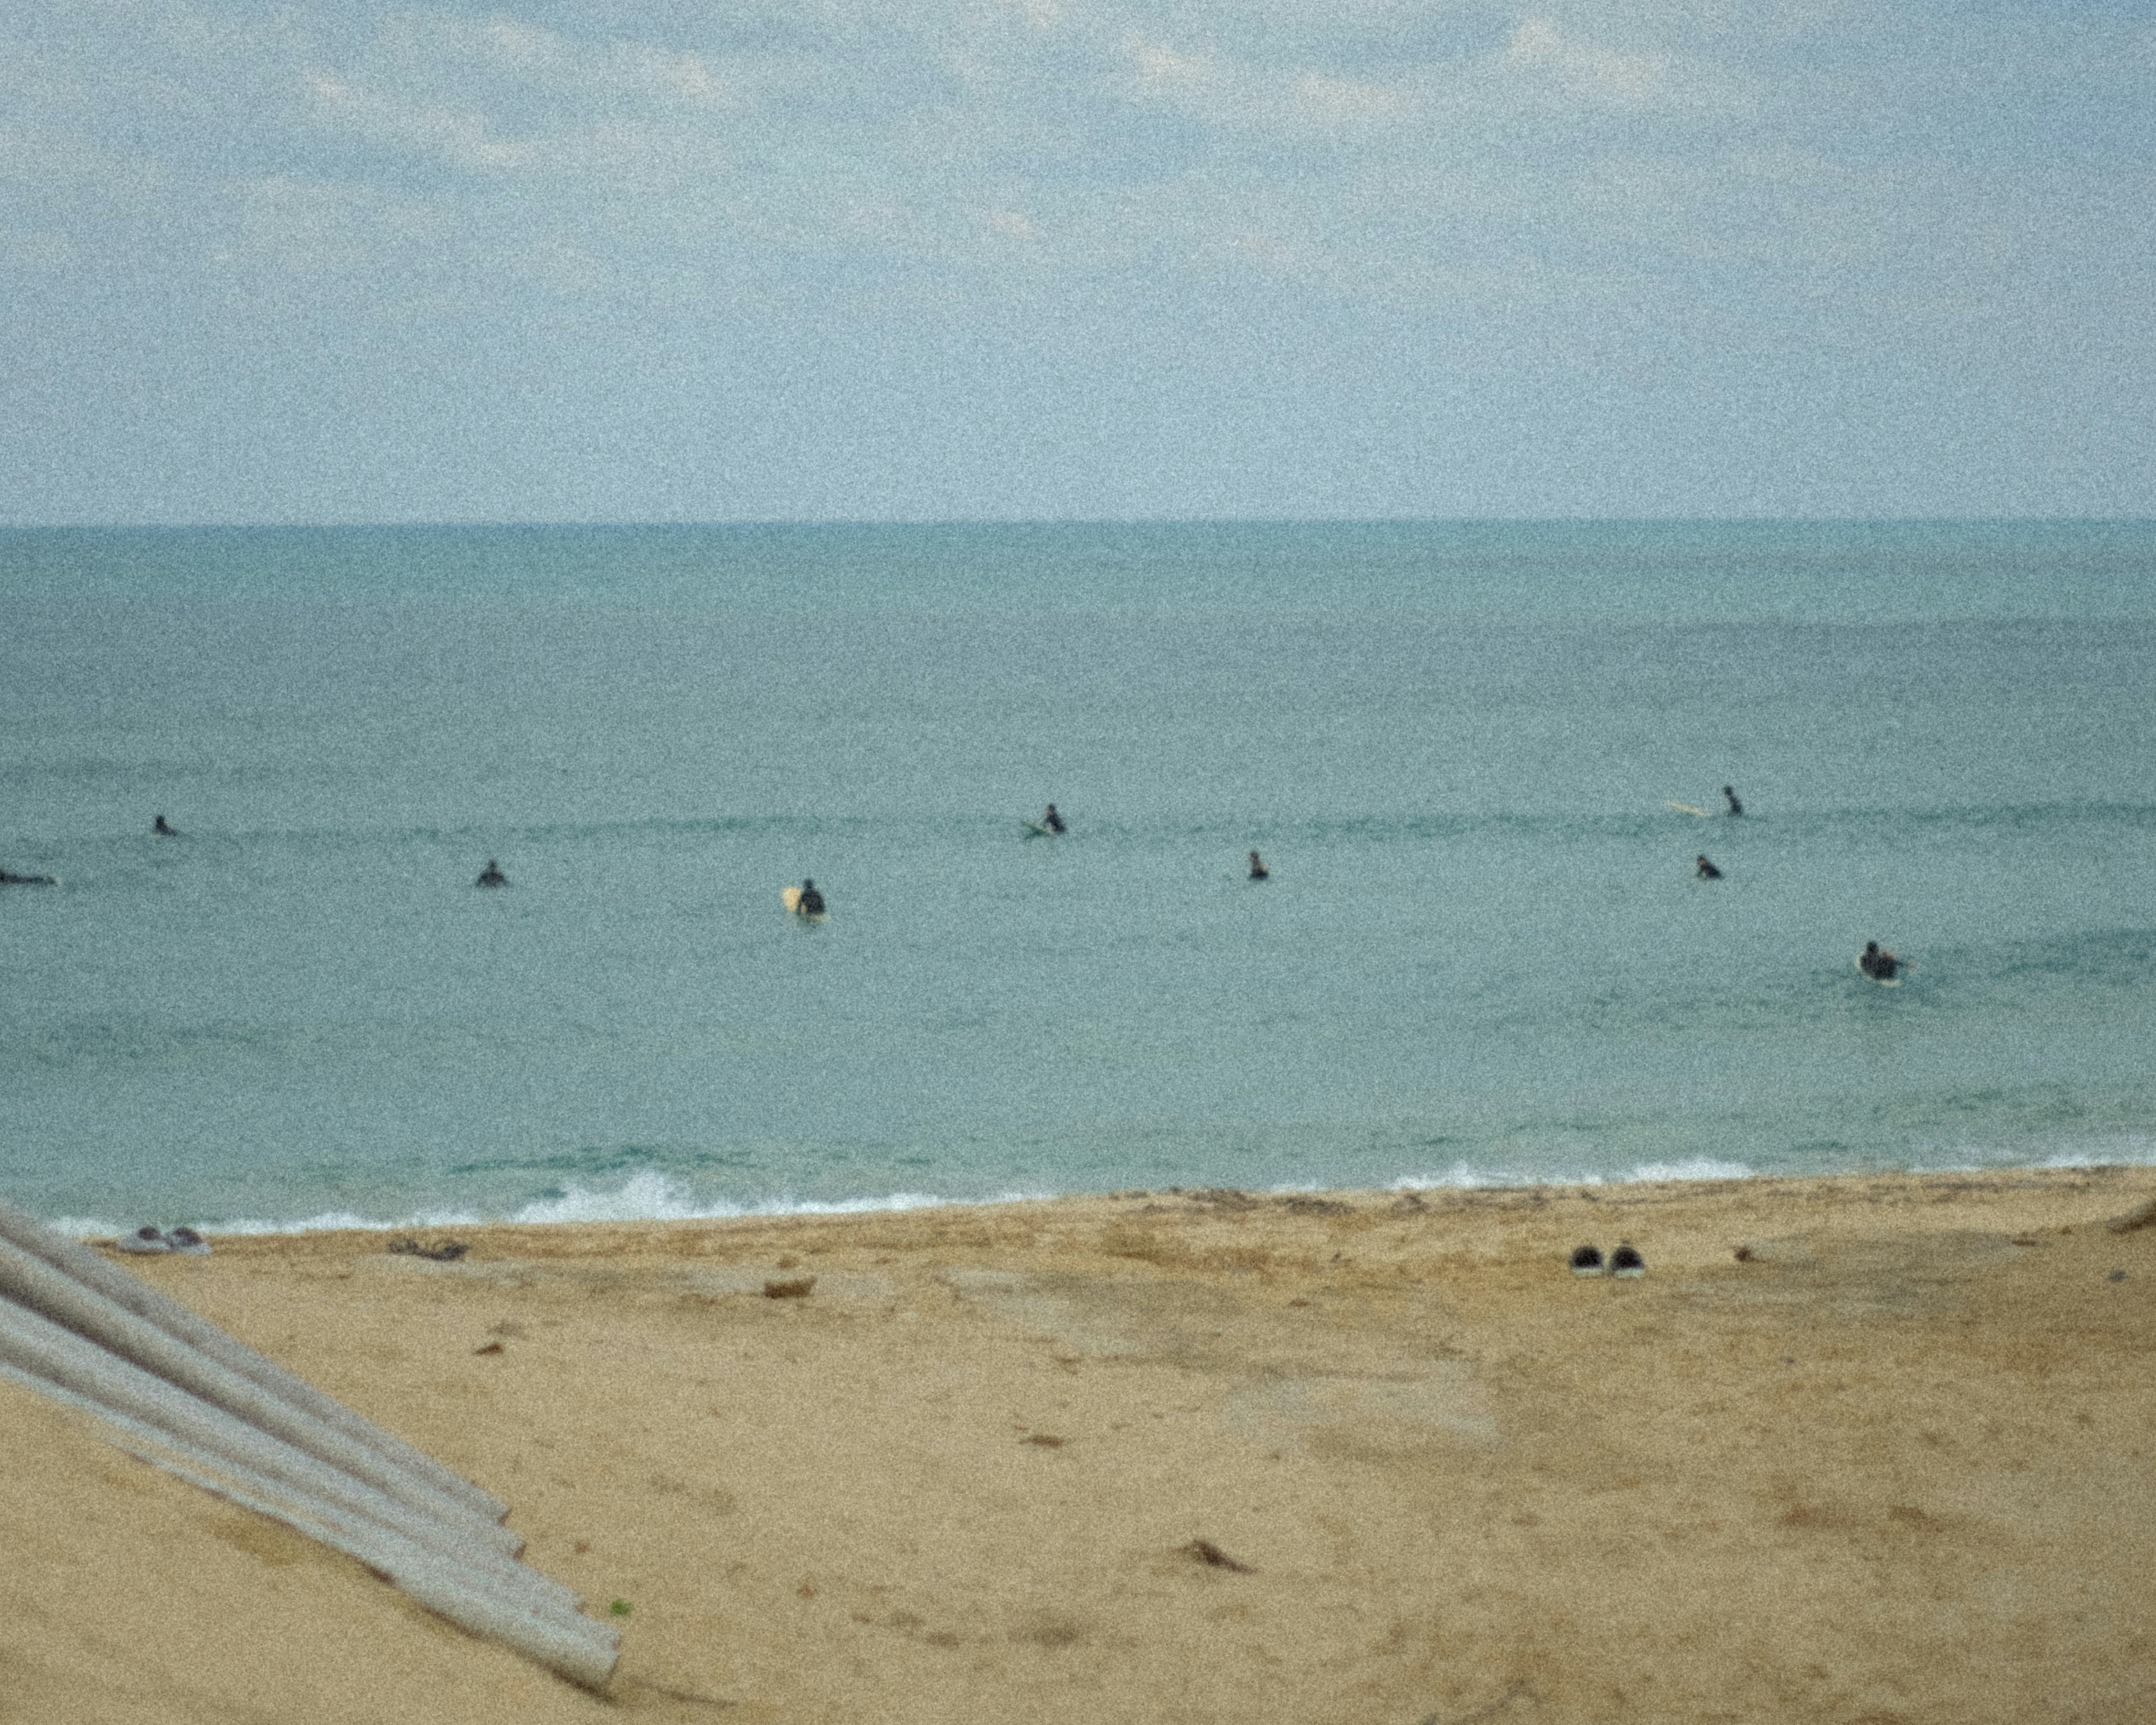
1482 955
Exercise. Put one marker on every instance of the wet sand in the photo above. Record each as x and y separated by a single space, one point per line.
1187 1457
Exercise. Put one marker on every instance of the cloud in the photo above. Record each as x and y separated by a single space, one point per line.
1378 152
1538 47
460 137
1541 55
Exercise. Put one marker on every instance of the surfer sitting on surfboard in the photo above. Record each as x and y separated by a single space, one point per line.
1708 871
1052 820
811 901
1258 870
1876 963
1729 796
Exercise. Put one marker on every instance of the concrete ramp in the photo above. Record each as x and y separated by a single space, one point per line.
185 1396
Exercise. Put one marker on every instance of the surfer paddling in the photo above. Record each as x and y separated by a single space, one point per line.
164 829
491 875
1877 964
1706 870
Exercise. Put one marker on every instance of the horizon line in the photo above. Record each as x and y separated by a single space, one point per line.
769 523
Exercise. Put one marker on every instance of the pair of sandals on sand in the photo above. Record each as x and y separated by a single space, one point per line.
1625 1260
164 1240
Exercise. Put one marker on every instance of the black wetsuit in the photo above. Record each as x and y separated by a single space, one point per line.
1052 820
811 902
1729 797
1708 871
493 876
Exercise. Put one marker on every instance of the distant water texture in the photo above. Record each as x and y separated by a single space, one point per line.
1483 953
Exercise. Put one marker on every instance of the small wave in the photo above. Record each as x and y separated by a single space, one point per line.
2125 1150
1694 1167
1462 1177
648 1196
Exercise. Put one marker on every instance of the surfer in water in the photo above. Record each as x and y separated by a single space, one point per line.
1706 871
491 875
1258 871
1729 796
1877 964
811 901
164 829
1052 820
8 880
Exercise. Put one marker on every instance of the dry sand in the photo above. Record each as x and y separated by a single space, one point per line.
1894 1464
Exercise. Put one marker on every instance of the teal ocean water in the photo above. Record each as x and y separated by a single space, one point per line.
1483 954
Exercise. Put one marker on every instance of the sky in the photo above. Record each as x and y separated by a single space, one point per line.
940 259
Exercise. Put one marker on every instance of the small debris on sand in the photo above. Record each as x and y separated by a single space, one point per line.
1212 1556
792 1287
447 1251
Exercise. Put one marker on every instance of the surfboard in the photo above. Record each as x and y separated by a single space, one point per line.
1033 830
1686 808
1884 981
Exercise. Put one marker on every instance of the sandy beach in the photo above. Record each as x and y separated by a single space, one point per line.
1858 1448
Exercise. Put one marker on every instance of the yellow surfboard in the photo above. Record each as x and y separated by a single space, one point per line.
1686 808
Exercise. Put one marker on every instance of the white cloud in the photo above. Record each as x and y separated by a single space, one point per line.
1248 96
459 137
1538 46
1544 58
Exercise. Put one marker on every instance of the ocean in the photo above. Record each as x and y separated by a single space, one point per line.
1483 954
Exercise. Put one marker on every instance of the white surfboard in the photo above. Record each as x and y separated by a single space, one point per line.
1686 808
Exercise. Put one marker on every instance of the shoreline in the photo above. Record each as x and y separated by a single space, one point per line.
658 1189
1326 1458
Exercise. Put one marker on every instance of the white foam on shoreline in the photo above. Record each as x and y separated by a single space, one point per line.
1463 1178
651 1196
